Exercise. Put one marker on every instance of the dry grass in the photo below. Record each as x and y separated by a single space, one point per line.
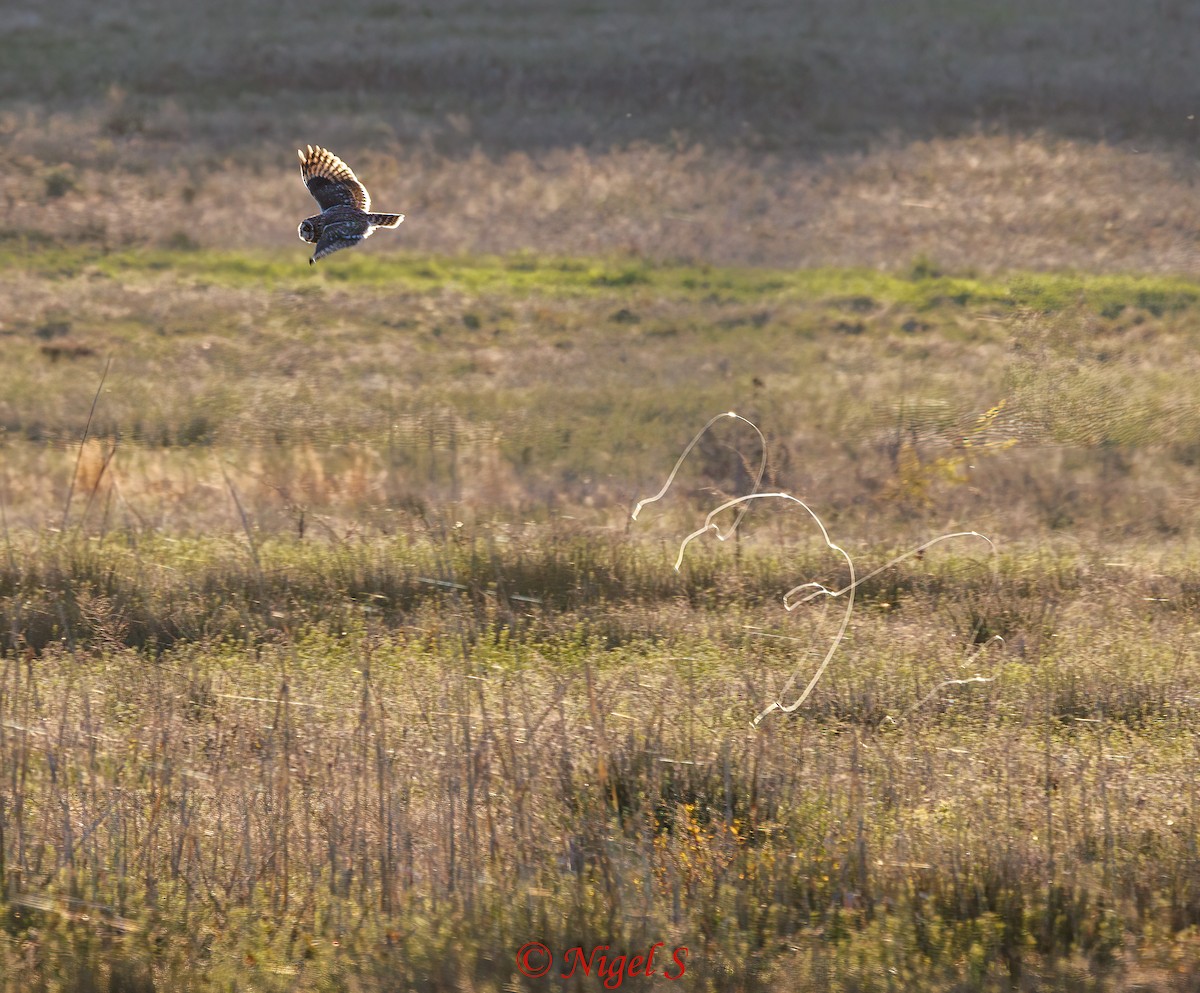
346 774
986 202
342 667
982 136
543 74
434 386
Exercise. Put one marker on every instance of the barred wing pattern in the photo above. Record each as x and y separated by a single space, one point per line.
345 217
331 182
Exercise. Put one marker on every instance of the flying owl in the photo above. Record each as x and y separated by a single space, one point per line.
345 217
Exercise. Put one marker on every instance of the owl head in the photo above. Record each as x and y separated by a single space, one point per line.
308 231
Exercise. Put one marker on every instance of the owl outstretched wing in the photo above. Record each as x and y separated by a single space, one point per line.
335 237
331 182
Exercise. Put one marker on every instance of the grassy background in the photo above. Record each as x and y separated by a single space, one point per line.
986 135
332 660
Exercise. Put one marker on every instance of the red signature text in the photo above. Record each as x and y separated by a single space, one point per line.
611 968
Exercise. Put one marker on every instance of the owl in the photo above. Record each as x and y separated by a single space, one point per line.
345 217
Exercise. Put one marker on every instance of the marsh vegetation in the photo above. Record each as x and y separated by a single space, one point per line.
330 658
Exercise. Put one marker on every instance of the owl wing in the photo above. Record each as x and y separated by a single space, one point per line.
331 182
337 236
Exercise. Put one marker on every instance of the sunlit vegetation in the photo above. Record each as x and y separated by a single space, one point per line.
330 657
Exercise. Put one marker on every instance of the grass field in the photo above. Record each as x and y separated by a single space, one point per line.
331 658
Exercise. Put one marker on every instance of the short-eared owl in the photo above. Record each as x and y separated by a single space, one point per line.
345 217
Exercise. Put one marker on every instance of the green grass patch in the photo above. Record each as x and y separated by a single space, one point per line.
858 289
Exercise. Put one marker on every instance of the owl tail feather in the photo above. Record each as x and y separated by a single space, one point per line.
385 220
